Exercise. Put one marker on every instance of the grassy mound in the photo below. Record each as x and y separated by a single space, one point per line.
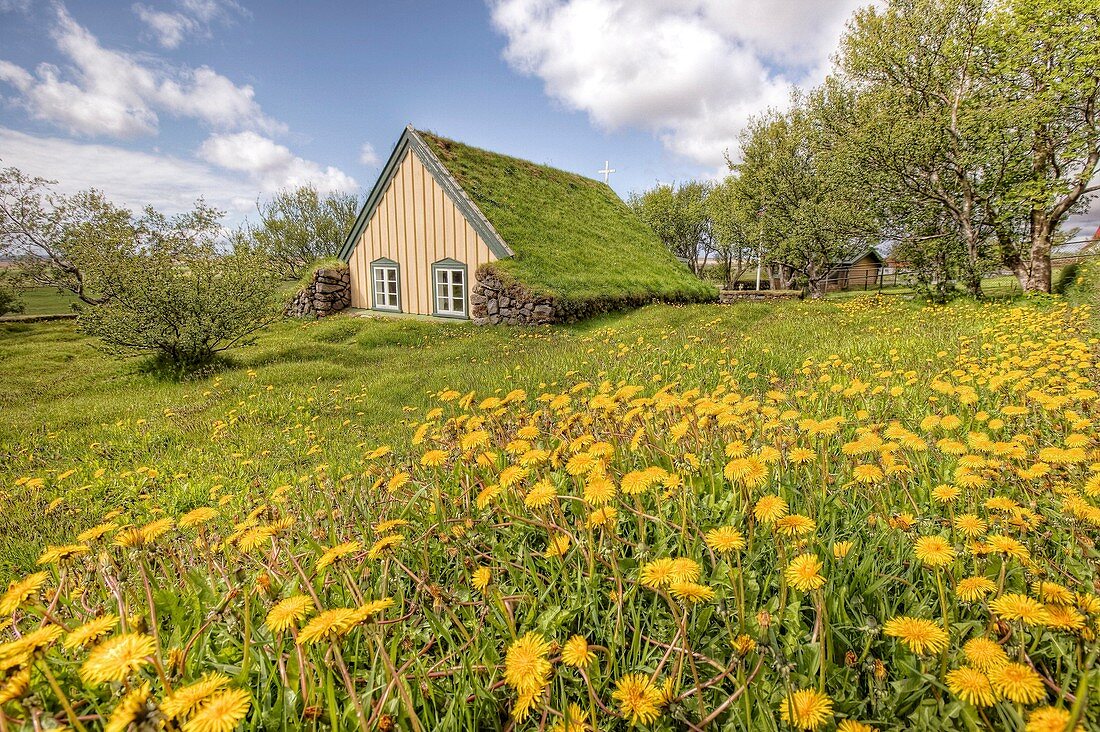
573 237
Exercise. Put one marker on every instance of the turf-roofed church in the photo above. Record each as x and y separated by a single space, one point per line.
454 231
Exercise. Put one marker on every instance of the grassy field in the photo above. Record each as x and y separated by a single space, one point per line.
45 301
863 514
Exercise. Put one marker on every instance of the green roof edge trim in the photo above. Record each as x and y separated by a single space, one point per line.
410 140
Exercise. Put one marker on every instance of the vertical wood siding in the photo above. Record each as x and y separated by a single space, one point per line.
415 224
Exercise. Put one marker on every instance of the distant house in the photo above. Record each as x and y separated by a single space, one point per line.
454 231
858 272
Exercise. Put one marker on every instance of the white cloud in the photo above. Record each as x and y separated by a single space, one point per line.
112 93
193 18
270 165
690 71
133 179
169 28
368 156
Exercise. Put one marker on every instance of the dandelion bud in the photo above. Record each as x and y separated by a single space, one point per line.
764 619
850 659
880 670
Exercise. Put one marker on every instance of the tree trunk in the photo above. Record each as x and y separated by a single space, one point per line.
1038 279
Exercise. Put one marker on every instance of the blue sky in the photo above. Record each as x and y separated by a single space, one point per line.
161 101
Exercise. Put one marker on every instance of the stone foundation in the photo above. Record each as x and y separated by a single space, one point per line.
493 302
328 292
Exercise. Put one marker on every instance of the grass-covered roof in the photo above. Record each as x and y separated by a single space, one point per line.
572 236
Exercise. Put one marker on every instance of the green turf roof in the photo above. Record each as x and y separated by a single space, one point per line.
572 236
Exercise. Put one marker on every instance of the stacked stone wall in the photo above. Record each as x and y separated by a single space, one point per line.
328 292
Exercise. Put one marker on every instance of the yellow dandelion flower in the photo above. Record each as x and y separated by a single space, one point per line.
1064 617
744 644
130 710
970 525
934 551
1052 592
541 494
197 517
867 473
379 547
691 592
1014 606
984 654
96 532
433 458
185 699
658 573
58 554
288 613
841 549
482 577
1007 546
770 509
602 516
91 631
384 527
795 524
15 686
511 476
639 700
1050 719
116 658
486 496
156 529
576 652
331 556
850 725
684 570
21 591
973 589
222 712
972 686
557 546
328 626
369 609
804 573
598 489
1018 683
918 634
946 493
806 709
575 719
526 667
725 539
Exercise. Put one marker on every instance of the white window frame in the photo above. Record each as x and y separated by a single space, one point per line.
390 291
443 276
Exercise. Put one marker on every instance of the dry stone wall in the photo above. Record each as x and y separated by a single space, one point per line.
328 292
494 302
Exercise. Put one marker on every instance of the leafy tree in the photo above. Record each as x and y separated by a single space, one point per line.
680 219
61 241
812 218
176 296
1044 61
925 129
299 226
9 298
735 228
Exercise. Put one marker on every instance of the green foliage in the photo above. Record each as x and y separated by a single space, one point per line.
299 226
61 242
572 236
176 297
10 301
812 214
678 215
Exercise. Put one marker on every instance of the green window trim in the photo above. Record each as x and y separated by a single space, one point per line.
449 265
385 264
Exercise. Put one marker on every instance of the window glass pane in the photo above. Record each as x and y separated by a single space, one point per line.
456 292
456 276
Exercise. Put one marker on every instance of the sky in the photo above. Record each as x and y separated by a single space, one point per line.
159 102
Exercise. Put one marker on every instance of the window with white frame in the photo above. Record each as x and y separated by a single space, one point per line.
385 286
450 290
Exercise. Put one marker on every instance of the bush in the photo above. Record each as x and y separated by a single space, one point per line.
9 299
187 309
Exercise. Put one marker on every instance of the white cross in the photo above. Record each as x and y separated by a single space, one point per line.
607 171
